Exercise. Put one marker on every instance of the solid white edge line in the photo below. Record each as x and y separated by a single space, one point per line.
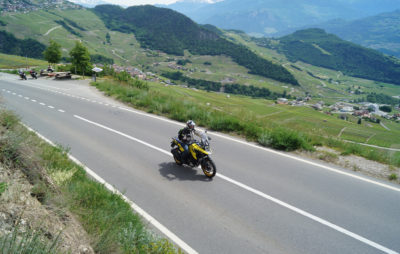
310 216
273 151
264 148
261 194
180 243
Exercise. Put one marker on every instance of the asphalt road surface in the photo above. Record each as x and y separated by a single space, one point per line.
261 201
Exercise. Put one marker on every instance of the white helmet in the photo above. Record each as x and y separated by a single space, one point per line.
190 124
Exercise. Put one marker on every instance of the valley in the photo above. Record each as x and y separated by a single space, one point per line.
305 132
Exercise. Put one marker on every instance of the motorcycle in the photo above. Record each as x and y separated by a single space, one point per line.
33 74
23 75
199 154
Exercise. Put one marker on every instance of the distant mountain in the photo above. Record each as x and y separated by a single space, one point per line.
34 5
269 17
380 32
316 47
171 32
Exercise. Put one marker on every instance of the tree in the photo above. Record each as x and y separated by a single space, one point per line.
80 58
108 38
385 108
53 52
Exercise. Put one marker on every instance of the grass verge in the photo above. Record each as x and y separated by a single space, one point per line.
57 181
182 104
182 109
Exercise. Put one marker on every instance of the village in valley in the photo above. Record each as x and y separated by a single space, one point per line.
371 112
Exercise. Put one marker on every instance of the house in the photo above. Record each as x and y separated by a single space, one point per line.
282 101
362 113
347 109
317 106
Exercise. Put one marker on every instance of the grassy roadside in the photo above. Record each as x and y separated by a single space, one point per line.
15 62
60 184
284 127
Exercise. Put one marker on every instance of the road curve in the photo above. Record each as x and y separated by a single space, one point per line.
260 202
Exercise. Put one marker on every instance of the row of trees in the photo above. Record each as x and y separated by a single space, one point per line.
379 98
80 57
253 91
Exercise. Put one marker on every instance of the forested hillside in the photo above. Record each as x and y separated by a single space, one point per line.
316 47
171 32
28 47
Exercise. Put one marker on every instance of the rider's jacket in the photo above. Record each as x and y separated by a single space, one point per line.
187 135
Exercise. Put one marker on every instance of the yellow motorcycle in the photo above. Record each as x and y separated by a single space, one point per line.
199 155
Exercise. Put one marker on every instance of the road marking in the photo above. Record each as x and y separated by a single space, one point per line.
62 111
184 246
50 106
271 151
42 104
259 193
26 98
338 171
33 100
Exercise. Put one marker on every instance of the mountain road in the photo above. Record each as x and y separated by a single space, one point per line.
261 201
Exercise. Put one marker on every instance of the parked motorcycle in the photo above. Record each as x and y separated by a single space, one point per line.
23 75
33 74
199 155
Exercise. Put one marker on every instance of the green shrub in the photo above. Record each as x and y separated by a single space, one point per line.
284 139
393 177
350 148
10 148
3 187
225 123
8 119
31 241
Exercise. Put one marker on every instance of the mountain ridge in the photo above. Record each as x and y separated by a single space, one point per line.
267 17
380 32
171 32
316 47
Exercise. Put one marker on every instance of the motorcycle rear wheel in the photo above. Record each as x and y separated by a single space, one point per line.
208 168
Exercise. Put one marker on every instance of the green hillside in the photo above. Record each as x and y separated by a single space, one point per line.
171 32
125 49
316 47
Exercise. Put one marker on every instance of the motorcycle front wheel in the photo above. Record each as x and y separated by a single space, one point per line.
208 168
175 154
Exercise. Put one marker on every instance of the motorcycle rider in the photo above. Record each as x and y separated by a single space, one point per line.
21 74
186 136
33 73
